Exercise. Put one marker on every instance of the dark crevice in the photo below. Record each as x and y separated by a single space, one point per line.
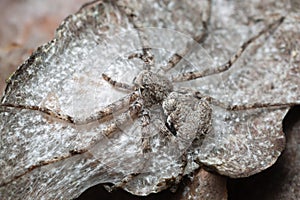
171 128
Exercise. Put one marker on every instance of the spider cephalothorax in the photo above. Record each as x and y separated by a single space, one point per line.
153 88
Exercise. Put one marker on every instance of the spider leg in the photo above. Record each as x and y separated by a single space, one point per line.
43 163
118 84
176 58
147 55
43 110
210 71
246 106
130 177
111 108
88 4
132 113
99 115
253 105
145 132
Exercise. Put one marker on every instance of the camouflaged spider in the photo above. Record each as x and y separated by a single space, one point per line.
186 113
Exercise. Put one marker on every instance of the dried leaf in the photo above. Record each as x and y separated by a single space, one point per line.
65 76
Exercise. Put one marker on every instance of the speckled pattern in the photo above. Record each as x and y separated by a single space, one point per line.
65 75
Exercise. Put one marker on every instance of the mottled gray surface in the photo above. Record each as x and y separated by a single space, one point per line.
282 180
65 75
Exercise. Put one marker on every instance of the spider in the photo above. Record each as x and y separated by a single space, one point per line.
187 114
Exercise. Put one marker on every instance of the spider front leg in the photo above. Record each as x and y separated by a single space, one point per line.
98 115
229 63
118 84
199 39
146 55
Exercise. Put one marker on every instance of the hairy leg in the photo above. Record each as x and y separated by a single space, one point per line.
99 115
131 113
176 58
118 84
246 106
145 132
210 71
146 54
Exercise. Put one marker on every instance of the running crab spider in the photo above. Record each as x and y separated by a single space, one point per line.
153 89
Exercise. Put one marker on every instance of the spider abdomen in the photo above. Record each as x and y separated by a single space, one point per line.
190 117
